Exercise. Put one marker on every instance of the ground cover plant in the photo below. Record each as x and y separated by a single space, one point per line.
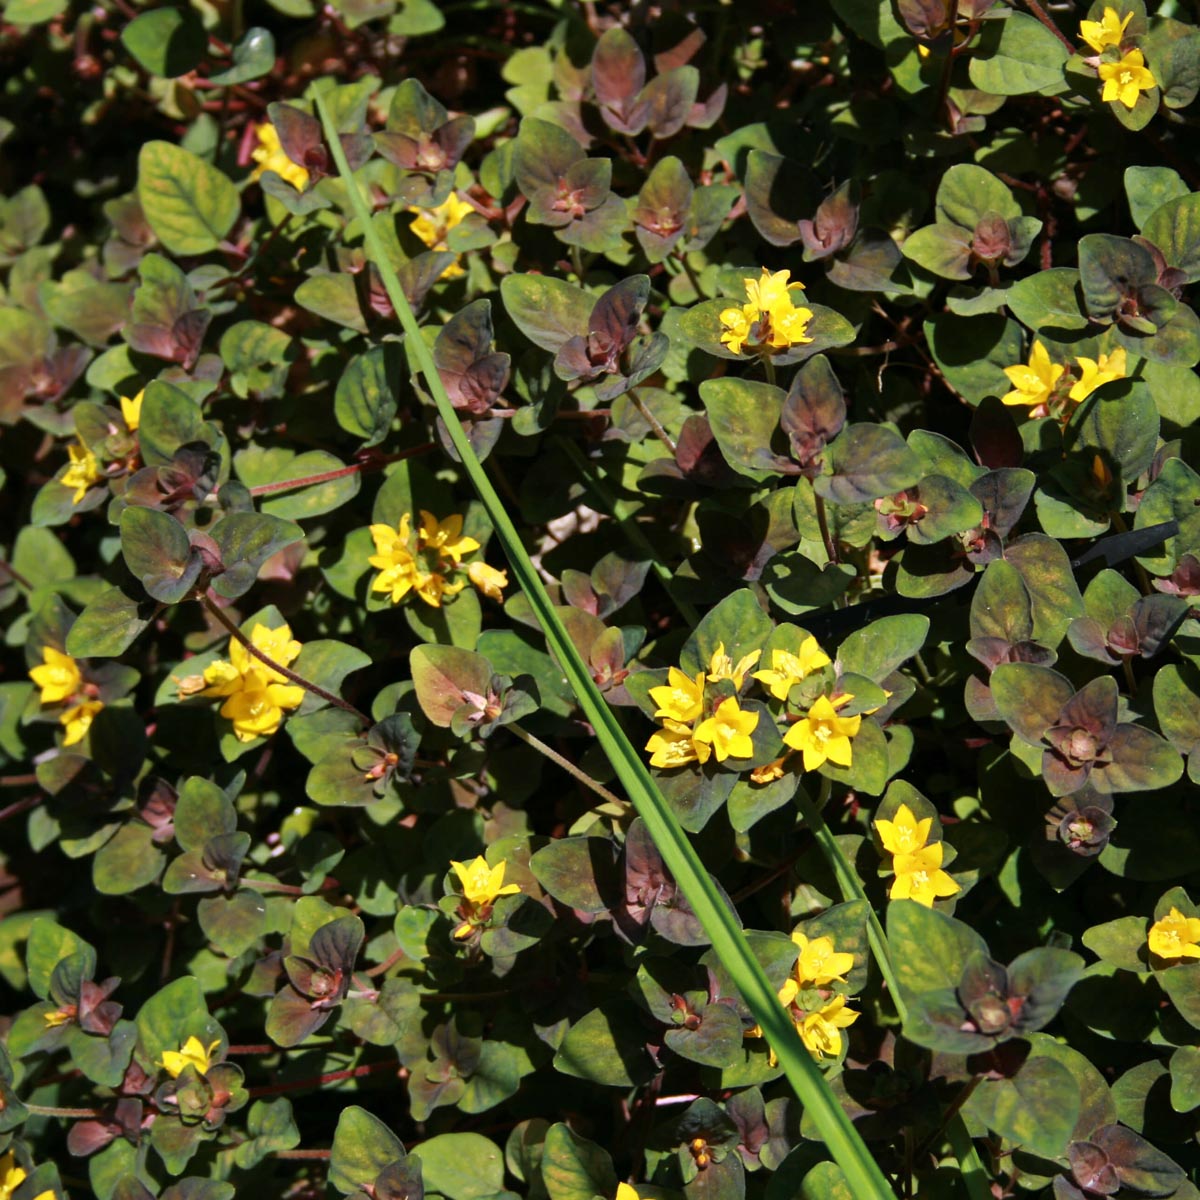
599 602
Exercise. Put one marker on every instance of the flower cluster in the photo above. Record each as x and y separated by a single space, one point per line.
816 1008
256 696
1175 936
433 226
1047 387
1125 76
270 156
425 562
62 683
768 322
481 887
916 861
684 737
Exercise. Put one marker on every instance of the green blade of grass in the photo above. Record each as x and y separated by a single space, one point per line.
866 1180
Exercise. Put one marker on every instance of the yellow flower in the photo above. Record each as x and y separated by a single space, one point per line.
481 886
490 581
256 695
819 964
433 225
393 556
1175 936
821 1030
60 1016
58 676
131 410
788 669
626 1192
1095 373
11 1175
82 472
78 719
445 537
1124 81
822 735
1033 383
270 156
904 834
728 731
191 1054
919 876
681 698
769 316
721 666
674 746
1108 31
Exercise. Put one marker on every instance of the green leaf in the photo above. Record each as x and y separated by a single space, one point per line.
1016 56
362 1147
441 676
270 1126
608 1047
547 310
109 624
189 204
49 943
1149 188
573 1168
579 872
366 397
1037 1109
128 861
868 462
170 419
1175 229
246 541
166 41
258 357
1029 697
930 949
172 1015
253 57
1049 302
462 1166
157 551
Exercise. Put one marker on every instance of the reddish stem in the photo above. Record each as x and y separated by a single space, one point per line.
19 806
375 463
295 1085
1043 16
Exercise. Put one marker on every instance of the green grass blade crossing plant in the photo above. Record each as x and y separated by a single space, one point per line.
863 1175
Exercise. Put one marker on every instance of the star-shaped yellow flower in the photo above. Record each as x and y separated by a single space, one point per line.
269 155
821 1030
819 963
919 876
728 731
58 676
1096 372
1125 80
721 666
1175 936
1034 382
433 226
674 746
82 472
77 720
788 669
904 834
681 698
822 736
769 318
193 1053
1108 31
256 695
445 538
481 887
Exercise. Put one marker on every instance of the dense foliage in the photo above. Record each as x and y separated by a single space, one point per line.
836 363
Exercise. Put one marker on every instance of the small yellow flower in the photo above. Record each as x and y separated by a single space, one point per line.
433 225
819 963
191 1054
58 676
721 666
626 1192
490 581
131 410
1095 373
1108 31
11 1175
1034 382
398 573
674 746
681 698
904 834
728 731
270 156
256 695
60 1016
821 1030
82 472
919 876
769 317
78 719
1125 80
1175 936
481 887
445 538
822 736
788 669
